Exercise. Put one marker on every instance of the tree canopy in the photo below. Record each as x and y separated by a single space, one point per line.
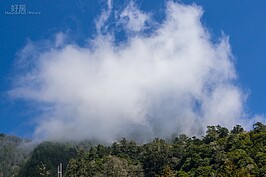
236 153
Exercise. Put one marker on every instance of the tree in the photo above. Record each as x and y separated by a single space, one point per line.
13 154
182 173
220 153
43 170
50 154
115 166
259 127
237 129
215 132
156 155
81 166
167 172
203 171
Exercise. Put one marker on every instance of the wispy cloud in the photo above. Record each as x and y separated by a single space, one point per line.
173 80
132 19
101 21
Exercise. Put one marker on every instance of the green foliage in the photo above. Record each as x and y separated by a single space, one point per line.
13 154
110 165
259 127
43 170
156 155
237 129
48 155
220 152
167 172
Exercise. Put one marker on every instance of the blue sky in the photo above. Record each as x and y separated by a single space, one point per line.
243 21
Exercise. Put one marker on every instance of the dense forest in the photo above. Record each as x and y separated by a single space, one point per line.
13 154
220 153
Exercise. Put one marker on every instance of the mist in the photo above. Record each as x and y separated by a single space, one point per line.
172 79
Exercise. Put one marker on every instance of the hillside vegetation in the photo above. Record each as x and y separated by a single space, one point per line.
220 153
13 154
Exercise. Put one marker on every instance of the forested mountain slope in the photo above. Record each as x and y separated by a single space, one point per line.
219 153
13 154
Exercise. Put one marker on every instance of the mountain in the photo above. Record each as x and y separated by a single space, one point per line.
219 152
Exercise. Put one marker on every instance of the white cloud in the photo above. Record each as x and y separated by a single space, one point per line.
175 80
133 19
59 39
101 21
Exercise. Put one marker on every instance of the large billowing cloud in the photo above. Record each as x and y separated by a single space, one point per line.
173 80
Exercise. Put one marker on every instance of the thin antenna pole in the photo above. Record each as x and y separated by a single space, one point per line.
59 170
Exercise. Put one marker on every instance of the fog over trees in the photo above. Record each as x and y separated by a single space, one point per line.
219 153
